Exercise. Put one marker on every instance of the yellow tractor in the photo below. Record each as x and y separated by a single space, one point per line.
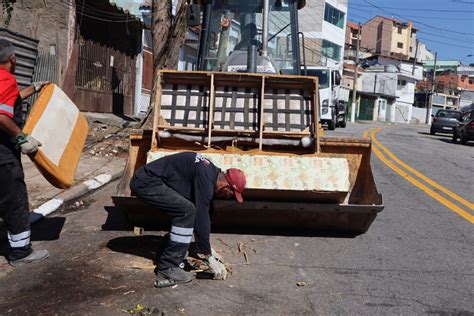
248 107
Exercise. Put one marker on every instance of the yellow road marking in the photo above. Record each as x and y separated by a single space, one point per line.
423 177
417 183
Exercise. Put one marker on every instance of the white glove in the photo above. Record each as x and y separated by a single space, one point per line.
217 255
27 144
220 272
39 85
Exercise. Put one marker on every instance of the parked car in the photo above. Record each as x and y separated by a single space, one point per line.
465 129
445 121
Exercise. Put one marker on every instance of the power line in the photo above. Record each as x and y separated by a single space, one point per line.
99 15
421 23
445 43
410 9
421 16
451 38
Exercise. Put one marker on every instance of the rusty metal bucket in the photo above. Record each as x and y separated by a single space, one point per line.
190 115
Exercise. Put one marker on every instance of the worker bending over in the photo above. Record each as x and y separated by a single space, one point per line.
184 185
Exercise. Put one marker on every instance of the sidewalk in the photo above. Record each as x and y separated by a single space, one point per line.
90 166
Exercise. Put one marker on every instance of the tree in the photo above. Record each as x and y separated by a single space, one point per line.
168 33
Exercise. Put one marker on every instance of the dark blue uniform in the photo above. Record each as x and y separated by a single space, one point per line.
182 185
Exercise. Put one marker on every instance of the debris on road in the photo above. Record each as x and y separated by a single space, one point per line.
138 231
141 310
301 284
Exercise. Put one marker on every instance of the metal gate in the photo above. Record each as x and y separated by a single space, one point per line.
366 112
104 79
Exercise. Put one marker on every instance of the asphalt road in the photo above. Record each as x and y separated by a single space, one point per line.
417 257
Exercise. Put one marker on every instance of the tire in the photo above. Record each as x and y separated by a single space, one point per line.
432 132
463 138
343 124
455 138
331 125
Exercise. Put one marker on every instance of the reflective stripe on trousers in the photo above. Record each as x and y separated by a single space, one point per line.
19 240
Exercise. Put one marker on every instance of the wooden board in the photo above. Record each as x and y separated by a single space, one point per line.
57 123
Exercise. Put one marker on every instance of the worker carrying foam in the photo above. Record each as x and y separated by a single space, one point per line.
183 186
14 209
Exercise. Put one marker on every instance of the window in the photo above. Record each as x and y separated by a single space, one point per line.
411 49
402 82
400 30
334 16
331 50
400 45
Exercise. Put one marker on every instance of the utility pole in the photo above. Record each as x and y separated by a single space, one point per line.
354 91
414 60
430 105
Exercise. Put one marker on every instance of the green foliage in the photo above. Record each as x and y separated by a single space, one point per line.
7 10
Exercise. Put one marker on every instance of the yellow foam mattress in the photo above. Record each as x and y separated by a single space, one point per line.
58 124
275 172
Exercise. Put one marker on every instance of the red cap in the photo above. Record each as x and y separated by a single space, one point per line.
236 179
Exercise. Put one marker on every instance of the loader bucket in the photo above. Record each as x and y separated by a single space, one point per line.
258 123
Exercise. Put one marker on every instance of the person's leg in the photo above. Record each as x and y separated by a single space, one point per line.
15 210
182 211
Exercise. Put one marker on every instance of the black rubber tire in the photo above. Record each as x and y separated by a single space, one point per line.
463 138
343 124
432 132
331 125
455 138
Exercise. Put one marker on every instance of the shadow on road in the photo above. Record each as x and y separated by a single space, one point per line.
450 141
45 229
116 220
146 246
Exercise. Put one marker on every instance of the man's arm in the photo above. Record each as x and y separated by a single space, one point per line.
27 92
9 126
204 192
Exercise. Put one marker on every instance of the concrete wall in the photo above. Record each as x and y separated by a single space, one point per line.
418 115
377 35
49 22
378 83
404 66
406 93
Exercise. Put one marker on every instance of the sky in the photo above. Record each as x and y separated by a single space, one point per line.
444 26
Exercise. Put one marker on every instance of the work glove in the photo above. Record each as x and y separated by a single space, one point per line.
217 255
38 85
27 144
220 272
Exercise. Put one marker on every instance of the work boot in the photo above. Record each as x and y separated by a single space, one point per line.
36 255
176 273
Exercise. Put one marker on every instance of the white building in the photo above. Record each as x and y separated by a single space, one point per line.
323 23
388 90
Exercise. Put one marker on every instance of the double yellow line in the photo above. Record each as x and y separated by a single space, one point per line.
419 180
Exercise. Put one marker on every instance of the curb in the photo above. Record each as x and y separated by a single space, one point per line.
73 193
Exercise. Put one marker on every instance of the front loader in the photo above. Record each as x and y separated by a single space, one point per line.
247 108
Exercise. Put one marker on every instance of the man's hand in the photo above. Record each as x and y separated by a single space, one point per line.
27 144
38 85
220 272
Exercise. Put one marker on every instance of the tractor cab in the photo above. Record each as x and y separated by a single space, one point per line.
255 36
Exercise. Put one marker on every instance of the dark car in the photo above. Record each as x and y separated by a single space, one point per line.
465 129
445 121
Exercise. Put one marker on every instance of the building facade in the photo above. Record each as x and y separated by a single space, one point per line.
388 36
323 23
387 90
